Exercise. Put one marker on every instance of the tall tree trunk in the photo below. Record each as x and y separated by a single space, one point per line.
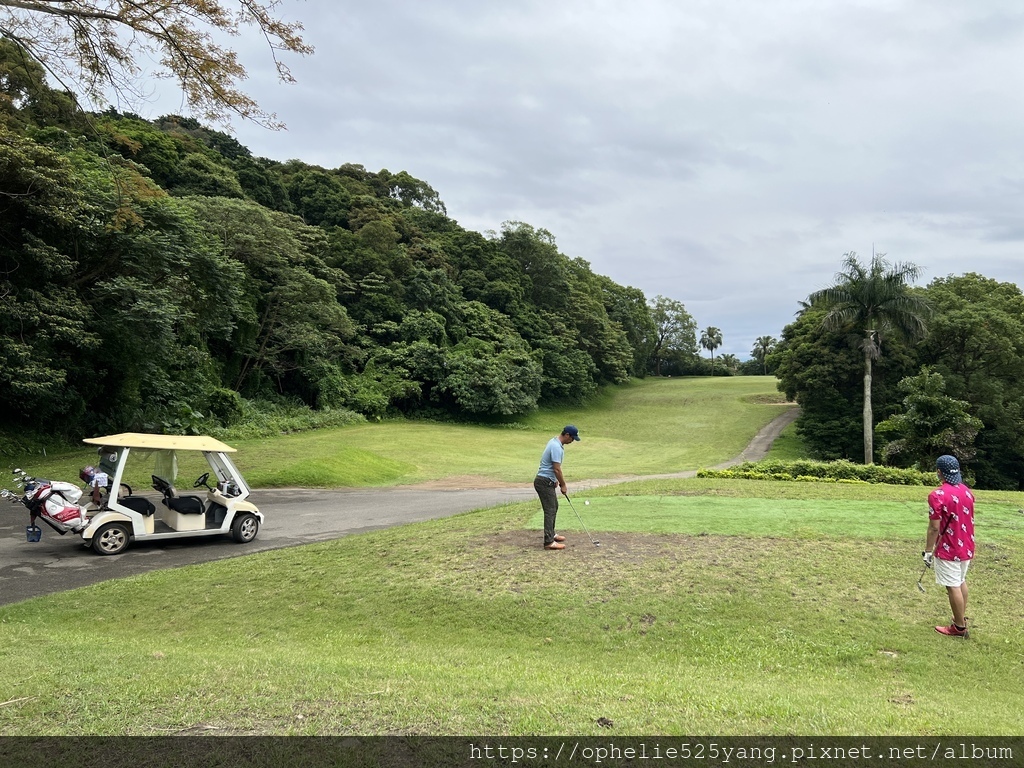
869 436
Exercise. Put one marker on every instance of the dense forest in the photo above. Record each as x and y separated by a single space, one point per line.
156 273
958 389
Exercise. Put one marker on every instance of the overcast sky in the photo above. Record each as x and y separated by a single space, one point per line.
723 153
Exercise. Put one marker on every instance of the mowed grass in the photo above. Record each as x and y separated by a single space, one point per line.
651 426
711 607
788 446
775 509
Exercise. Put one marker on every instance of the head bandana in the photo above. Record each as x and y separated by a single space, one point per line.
949 468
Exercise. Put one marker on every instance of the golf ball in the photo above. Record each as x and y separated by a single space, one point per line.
587 503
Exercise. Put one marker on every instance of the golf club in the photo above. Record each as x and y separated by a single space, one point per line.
592 541
920 586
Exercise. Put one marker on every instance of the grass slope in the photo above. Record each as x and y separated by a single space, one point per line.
652 426
754 612
712 606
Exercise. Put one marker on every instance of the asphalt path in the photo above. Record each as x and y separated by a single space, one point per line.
293 517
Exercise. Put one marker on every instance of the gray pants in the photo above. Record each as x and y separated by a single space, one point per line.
549 502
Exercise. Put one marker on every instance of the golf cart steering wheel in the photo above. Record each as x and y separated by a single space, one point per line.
201 482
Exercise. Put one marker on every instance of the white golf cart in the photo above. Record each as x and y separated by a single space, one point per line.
124 516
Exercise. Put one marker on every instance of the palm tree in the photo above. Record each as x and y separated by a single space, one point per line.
872 300
711 339
763 347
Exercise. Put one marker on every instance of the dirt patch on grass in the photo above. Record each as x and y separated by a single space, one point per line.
643 546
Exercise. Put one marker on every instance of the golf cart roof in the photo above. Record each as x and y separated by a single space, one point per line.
161 442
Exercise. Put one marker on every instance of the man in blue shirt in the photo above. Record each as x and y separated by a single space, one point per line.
549 477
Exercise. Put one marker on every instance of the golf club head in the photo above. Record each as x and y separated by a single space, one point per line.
595 543
920 587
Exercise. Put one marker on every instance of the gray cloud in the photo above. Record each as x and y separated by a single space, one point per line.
725 154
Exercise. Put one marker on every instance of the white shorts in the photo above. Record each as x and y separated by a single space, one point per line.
950 573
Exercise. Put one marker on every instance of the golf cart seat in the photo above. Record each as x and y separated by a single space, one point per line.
186 505
184 513
138 504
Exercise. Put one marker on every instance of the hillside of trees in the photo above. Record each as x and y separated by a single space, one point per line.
156 273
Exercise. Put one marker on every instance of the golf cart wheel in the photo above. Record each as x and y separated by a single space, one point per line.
111 539
244 528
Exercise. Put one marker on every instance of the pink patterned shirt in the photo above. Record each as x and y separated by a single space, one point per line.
953 506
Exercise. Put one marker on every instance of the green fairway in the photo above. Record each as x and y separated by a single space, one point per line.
772 509
653 426
712 606
734 517
697 422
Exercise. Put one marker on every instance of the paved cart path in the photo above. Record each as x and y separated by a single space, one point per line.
58 563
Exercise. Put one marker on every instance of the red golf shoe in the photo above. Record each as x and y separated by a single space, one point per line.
953 631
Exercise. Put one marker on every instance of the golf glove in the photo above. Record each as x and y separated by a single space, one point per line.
927 557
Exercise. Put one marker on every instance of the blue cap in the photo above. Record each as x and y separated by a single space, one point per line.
572 431
949 468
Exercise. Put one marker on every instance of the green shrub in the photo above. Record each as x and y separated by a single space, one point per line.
261 418
226 405
805 470
22 443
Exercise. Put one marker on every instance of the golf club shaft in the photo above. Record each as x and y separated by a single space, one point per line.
920 586
580 519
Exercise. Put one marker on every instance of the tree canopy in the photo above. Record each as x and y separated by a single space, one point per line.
675 338
94 47
929 424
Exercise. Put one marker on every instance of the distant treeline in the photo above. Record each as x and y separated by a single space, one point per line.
156 273
960 389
